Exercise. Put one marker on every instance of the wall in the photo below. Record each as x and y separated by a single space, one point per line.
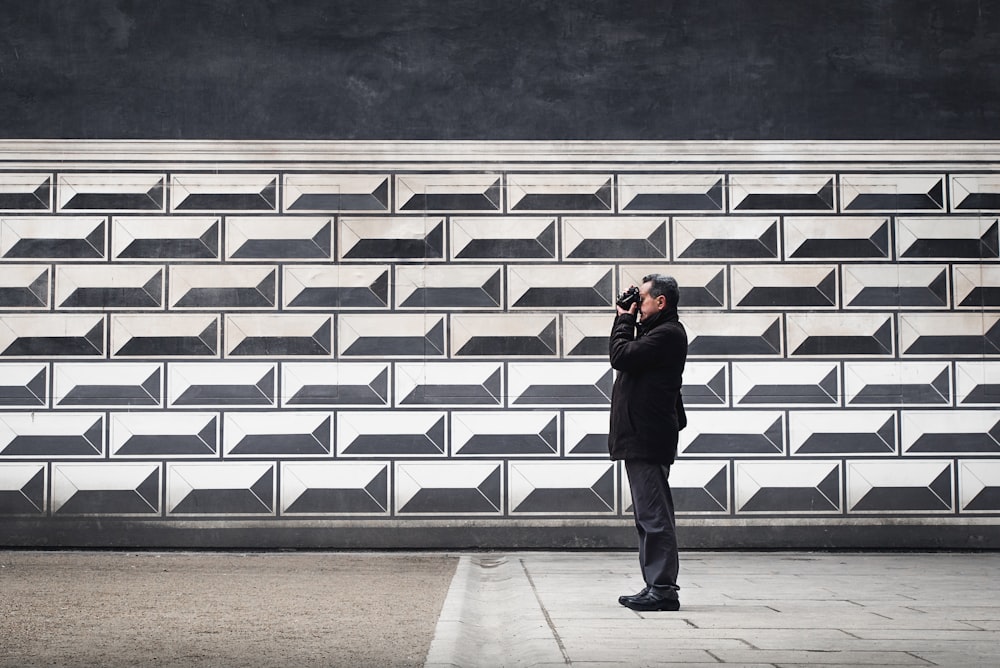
364 344
299 273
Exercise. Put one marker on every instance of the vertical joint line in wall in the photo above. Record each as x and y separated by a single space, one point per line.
614 189
945 196
891 222
106 415
954 487
898 431
278 192
836 193
220 446
277 488
842 390
162 466
279 273
504 195
392 193
52 287
671 249
726 196
50 383
843 486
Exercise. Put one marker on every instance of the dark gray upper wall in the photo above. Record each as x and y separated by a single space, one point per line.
500 69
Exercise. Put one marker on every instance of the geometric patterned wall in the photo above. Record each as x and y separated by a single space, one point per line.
284 332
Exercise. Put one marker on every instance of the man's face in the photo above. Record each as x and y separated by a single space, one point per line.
648 305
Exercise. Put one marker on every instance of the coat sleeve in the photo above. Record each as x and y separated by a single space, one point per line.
629 353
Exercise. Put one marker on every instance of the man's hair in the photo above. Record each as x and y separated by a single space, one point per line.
663 285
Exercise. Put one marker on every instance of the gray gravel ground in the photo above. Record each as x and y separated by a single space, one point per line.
219 609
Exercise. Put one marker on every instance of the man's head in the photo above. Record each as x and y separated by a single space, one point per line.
657 293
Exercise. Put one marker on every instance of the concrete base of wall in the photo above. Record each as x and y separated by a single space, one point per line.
919 534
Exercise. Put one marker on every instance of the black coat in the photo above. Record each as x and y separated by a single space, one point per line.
645 400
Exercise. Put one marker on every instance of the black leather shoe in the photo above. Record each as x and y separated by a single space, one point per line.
626 597
651 601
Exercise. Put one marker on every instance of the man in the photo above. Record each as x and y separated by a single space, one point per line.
646 416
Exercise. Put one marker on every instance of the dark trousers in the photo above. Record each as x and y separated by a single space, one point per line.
653 506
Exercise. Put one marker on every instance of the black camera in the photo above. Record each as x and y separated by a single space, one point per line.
629 297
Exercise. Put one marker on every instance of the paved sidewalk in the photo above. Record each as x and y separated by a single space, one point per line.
747 609
438 609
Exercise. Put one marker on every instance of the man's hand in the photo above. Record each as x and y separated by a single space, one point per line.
632 309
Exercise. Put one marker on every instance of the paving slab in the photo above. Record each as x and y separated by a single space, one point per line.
774 609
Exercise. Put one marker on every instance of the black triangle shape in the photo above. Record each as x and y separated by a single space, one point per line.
769 239
826 194
548 335
152 385
717 487
380 384
95 336
605 488
207 434
550 434
942 385
270 193
40 288
937 193
323 337
154 287
772 336
887 432
991 241
606 383
378 486
490 488
939 287
941 486
380 287
547 239
37 385
44 192
718 383
435 337
492 287
604 287
156 194
149 489
604 194
211 238
382 194
434 241
94 435
96 238
881 238
267 287
322 433
829 384
828 287
883 336
717 287
492 384
493 194
263 489
830 487
209 336
436 434
774 433
266 384
715 194
323 238
658 239
34 489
